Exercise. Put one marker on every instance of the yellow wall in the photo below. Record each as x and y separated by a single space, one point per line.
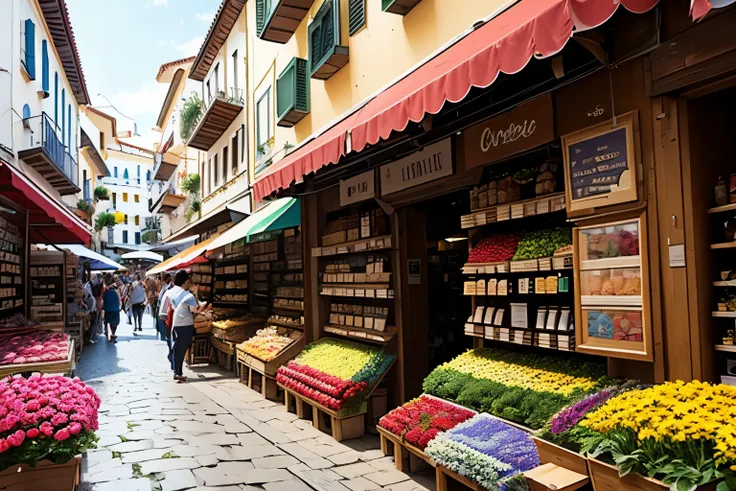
386 48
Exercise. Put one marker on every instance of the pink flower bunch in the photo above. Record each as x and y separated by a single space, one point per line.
420 420
45 407
33 347
328 390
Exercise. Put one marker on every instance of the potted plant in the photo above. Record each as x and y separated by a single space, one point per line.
101 193
47 423
103 220
194 207
189 115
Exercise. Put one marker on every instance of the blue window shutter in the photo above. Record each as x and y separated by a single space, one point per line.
30 49
125 175
56 97
63 119
44 66
69 125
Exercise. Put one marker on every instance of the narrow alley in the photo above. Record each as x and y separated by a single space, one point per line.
212 432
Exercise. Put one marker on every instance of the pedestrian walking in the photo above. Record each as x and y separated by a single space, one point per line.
138 305
185 306
162 311
90 308
111 304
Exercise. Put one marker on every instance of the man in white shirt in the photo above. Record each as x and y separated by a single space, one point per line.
185 307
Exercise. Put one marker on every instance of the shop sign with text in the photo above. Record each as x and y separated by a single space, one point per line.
431 163
358 188
525 127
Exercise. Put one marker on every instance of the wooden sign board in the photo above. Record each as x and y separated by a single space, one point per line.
431 163
525 127
358 188
601 164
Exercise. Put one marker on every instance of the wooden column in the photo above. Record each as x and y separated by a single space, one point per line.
310 239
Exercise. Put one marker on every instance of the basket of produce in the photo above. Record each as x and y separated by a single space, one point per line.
236 330
203 323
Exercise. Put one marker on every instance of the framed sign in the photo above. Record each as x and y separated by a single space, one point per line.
358 188
601 164
527 126
431 163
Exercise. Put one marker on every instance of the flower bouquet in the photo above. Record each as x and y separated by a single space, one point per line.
335 373
683 434
484 449
33 347
524 388
420 420
45 418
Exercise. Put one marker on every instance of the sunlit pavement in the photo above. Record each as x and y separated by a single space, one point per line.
212 432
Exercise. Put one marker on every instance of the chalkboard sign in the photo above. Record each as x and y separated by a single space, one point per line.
600 165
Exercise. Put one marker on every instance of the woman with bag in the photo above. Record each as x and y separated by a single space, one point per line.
111 304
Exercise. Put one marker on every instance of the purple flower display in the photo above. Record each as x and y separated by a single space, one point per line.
573 414
491 436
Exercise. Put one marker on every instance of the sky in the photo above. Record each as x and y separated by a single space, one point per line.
122 44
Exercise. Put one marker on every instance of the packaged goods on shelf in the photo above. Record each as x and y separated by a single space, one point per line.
290 292
285 321
238 330
231 297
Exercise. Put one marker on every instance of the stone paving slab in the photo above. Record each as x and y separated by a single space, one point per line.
178 480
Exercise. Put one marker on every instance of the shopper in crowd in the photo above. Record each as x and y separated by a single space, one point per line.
138 304
89 303
125 298
152 290
98 289
185 307
163 332
111 302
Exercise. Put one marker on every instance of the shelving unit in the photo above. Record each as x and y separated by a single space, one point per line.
231 282
48 305
549 203
723 290
11 268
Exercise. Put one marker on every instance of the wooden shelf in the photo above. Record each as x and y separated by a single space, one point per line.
565 333
242 304
359 286
288 309
470 221
285 326
724 245
722 208
730 315
611 263
362 334
726 347
349 247
611 300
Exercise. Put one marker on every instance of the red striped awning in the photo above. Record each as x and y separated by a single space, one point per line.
50 221
505 44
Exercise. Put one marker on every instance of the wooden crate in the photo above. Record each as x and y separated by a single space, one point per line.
442 473
224 353
200 352
605 478
259 381
44 475
343 425
271 367
407 457
60 366
551 453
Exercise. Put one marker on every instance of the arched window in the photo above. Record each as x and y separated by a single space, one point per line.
26 111
126 175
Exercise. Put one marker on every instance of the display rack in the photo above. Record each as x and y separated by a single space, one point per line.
231 282
75 315
11 269
48 288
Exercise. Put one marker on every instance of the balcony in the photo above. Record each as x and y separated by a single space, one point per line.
151 224
221 111
162 169
280 18
164 198
46 154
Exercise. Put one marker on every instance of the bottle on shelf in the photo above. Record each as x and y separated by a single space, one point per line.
721 192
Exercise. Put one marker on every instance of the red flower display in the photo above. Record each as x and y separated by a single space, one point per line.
328 390
420 420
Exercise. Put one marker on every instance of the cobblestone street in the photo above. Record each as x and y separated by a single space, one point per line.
212 433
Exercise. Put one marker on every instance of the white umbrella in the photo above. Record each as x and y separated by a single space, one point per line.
143 255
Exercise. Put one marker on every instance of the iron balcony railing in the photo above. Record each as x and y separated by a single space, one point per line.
151 224
47 135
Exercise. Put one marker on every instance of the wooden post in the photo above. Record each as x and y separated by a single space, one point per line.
440 479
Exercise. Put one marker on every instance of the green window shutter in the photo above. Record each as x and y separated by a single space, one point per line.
315 44
30 46
44 66
260 16
356 16
292 93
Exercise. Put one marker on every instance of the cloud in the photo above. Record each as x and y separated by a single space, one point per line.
191 47
157 3
205 17
142 104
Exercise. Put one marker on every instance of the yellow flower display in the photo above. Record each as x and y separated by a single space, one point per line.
675 412
518 375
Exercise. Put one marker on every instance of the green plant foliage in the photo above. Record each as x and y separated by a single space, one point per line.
103 220
194 207
82 205
58 452
101 192
189 115
191 184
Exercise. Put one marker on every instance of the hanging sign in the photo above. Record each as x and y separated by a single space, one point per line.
358 188
600 165
429 164
525 127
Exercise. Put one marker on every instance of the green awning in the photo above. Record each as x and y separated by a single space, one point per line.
274 216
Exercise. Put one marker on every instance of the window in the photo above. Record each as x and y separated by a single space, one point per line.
63 119
125 236
324 42
235 72
56 98
209 176
138 173
263 121
86 184
137 238
69 125
292 93
114 200
126 176
148 176
242 143
215 170
216 75
45 68
224 165
137 220
115 171
209 92
356 16
234 149
263 12
125 197
28 57
136 198
125 220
